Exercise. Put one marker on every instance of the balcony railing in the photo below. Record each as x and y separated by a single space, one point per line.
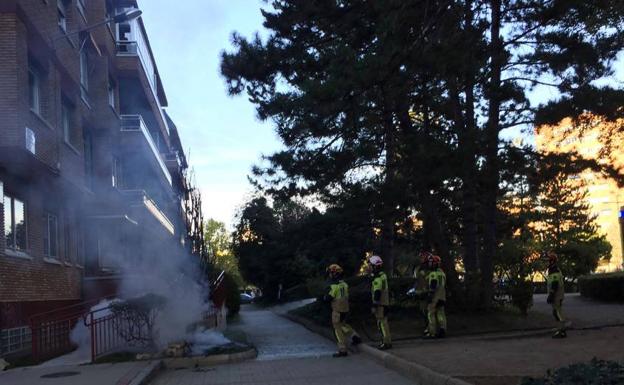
135 123
142 199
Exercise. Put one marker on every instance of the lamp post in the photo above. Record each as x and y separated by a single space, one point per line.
128 15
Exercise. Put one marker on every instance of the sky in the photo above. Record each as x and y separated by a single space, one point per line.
220 134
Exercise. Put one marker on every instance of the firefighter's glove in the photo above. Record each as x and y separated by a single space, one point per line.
550 299
412 293
429 297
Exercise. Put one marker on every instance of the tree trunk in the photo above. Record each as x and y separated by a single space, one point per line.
467 147
491 174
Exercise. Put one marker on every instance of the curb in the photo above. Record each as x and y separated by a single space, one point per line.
422 375
418 373
201 361
147 373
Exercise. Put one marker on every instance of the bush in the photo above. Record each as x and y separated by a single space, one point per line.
232 296
604 287
521 292
596 372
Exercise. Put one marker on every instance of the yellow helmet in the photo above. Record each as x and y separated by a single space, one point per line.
334 269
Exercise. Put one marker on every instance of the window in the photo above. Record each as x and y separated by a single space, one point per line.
117 173
111 92
62 14
88 158
67 122
50 235
34 88
14 223
15 340
68 245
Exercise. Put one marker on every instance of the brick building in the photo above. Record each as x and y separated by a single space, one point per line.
604 197
91 166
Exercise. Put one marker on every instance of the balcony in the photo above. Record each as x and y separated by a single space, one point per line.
143 204
132 44
136 135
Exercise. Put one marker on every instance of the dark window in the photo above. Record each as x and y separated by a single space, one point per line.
34 88
111 92
117 173
14 223
50 235
88 158
70 129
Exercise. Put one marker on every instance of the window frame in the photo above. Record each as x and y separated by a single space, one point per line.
14 247
34 88
112 88
68 124
47 238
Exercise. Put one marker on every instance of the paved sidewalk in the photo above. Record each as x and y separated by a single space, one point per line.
504 360
288 354
583 312
277 338
103 374
353 370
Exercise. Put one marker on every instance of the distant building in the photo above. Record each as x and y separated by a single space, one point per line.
91 166
605 198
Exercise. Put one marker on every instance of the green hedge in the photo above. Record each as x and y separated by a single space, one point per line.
604 287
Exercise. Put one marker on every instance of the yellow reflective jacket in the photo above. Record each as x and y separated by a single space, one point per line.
555 284
436 280
339 292
379 290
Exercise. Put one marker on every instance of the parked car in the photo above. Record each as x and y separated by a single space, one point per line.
246 298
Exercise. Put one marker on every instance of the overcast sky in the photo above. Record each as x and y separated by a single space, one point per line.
221 135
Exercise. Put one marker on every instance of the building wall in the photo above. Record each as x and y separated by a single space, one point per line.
604 197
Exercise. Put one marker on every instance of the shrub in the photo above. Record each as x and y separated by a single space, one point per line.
521 292
605 287
232 296
596 372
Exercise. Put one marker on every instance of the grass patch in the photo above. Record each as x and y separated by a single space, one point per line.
407 322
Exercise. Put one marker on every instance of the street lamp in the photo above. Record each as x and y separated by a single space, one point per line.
128 15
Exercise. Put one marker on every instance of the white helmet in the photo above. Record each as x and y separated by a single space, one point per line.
375 260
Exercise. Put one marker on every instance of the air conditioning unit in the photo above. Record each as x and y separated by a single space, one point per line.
30 140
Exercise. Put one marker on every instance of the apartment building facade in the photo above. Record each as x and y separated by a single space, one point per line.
604 197
91 166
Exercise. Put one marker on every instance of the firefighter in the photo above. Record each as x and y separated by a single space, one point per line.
338 295
555 294
381 300
420 288
436 298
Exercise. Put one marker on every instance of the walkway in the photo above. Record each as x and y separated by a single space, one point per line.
584 312
281 345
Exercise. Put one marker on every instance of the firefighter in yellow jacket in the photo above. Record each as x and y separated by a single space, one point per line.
555 294
436 281
421 288
338 295
381 300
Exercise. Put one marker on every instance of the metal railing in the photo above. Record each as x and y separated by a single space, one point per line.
135 123
51 330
